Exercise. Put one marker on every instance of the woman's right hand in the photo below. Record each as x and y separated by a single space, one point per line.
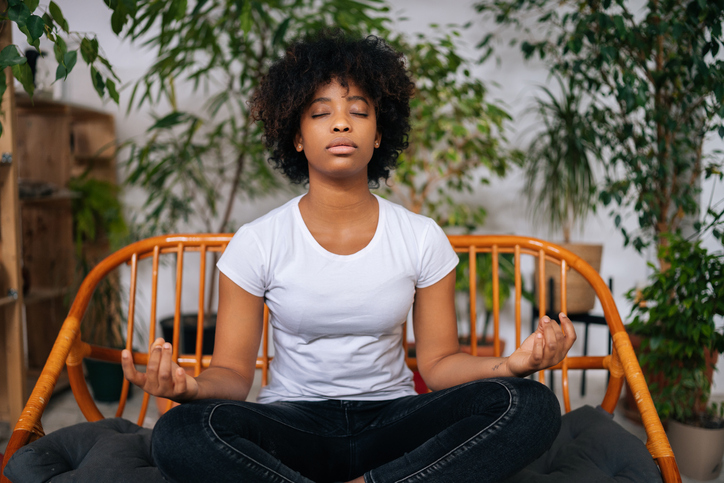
163 377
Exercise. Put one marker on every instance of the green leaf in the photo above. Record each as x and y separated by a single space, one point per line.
245 17
97 80
57 15
48 20
178 9
36 27
61 73
32 4
118 19
281 31
59 49
10 56
89 50
34 42
111 86
19 13
70 59
23 74
130 6
169 120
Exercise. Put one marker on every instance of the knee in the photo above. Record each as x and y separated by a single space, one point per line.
539 407
172 434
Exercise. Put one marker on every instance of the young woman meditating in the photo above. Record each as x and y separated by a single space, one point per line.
339 269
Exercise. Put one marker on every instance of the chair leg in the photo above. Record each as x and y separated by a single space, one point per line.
585 353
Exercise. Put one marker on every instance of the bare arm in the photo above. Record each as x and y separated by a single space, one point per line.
439 358
231 373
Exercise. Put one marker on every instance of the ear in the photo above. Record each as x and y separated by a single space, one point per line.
378 139
298 144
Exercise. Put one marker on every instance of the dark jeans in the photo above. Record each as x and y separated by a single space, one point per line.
481 431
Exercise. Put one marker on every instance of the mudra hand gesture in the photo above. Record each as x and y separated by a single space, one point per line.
163 377
544 348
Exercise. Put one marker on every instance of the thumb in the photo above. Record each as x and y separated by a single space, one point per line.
129 369
536 355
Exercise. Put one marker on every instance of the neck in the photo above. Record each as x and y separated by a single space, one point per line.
339 204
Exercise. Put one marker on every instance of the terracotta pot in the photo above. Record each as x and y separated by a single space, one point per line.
698 451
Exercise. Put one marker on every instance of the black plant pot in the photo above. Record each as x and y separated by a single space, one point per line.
187 337
106 380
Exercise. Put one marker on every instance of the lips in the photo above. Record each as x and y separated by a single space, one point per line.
341 146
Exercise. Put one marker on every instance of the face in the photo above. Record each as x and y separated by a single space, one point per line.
338 132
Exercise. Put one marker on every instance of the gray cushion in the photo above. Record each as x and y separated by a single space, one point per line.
110 450
590 448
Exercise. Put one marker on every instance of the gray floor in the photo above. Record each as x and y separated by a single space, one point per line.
62 410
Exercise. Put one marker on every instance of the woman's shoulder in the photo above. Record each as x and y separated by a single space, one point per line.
399 215
279 216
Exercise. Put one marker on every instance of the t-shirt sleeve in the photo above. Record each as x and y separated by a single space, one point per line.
437 257
244 263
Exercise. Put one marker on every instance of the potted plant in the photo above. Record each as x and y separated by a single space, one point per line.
99 228
560 186
654 81
675 316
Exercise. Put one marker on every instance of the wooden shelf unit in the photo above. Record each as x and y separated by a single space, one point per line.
76 140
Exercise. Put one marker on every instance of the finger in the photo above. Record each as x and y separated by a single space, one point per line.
179 377
129 369
158 342
536 354
550 336
568 330
165 370
154 360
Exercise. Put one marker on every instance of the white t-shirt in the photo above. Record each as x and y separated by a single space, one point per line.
337 319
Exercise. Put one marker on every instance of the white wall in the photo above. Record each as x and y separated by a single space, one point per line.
515 82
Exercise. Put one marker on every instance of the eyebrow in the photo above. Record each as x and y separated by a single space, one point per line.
349 99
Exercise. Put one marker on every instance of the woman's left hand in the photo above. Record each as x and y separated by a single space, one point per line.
545 347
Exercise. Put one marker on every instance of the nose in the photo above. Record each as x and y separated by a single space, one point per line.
341 124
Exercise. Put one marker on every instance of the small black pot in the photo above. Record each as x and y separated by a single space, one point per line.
106 380
187 338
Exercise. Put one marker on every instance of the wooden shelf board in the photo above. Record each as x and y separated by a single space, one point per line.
62 194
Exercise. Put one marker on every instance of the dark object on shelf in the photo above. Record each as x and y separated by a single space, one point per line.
584 318
35 189
187 336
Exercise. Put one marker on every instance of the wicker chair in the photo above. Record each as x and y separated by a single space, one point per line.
69 349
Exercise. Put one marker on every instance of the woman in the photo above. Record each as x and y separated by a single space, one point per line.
339 269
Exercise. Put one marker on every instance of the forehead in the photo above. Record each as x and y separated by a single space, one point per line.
339 89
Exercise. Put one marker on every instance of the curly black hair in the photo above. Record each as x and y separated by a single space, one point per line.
317 60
